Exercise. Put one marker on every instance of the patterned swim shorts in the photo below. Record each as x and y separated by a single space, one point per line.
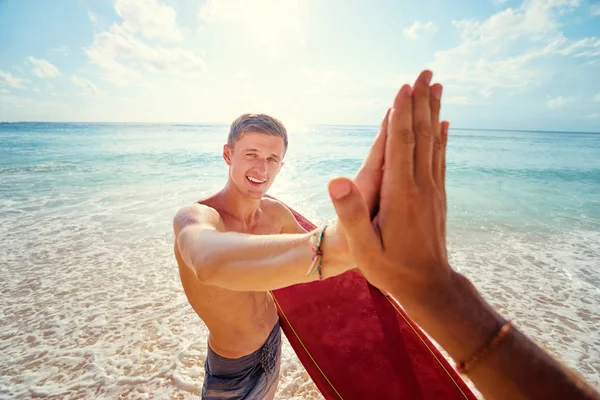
249 377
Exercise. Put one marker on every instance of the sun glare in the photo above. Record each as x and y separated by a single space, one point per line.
270 21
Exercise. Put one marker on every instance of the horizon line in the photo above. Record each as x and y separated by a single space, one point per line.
307 125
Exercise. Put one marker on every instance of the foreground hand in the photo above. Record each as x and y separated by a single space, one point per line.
403 250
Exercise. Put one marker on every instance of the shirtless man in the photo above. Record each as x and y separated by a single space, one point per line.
235 246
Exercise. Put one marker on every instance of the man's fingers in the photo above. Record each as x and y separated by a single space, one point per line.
436 129
354 216
368 178
376 154
422 127
444 126
442 168
399 149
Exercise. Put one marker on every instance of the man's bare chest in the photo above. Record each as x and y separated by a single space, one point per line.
263 227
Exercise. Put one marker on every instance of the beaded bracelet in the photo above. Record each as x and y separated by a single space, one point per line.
464 367
317 259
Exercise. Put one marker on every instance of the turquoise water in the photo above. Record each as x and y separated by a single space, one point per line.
88 284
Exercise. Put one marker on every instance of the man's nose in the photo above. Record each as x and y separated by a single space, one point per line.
261 166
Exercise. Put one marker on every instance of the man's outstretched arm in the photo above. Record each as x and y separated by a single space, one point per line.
239 261
245 262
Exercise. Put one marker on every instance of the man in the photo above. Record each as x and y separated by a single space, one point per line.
235 246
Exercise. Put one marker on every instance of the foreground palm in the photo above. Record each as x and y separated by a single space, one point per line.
406 166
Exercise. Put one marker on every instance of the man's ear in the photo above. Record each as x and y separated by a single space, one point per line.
227 151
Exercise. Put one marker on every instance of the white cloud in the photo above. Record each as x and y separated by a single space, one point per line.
150 18
26 102
42 68
17 108
461 100
4 91
94 19
6 78
596 98
595 9
323 78
419 29
88 87
15 101
64 50
499 2
593 116
274 23
457 100
124 56
486 92
501 51
587 47
243 74
557 102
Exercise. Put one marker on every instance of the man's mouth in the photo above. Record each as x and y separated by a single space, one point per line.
255 180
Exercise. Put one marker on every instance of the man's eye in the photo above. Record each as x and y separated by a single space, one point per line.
251 155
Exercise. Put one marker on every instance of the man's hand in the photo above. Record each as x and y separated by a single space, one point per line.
405 250
368 179
337 257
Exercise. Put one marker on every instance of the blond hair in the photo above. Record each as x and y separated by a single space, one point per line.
260 123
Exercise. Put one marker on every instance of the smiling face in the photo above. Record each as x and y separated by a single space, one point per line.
254 161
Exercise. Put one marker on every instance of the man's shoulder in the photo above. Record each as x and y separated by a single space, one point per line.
271 203
196 209
272 206
206 205
195 213
284 216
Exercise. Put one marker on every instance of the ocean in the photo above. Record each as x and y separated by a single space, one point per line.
91 305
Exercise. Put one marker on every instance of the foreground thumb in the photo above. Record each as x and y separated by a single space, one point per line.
352 212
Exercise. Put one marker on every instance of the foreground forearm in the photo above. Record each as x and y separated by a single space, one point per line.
238 261
460 320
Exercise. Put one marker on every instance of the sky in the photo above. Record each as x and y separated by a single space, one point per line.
504 64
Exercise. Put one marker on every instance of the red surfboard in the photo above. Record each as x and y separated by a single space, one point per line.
358 343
